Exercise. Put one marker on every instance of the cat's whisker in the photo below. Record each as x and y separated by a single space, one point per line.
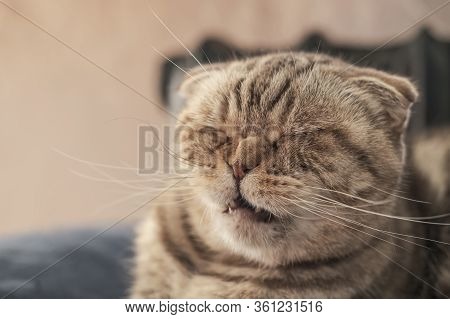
111 180
178 177
285 209
206 56
114 180
174 35
176 156
412 219
148 192
421 238
203 215
181 191
185 161
381 202
432 217
342 224
178 202
301 217
403 218
110 166
398 196
331 204
117 181
139 120
206 211
393 234
79 160
177 187
170 60
280 205
401 266
160 179
121 200
125 164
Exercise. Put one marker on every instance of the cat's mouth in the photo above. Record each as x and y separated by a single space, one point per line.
243 209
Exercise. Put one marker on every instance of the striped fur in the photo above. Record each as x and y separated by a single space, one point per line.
313 138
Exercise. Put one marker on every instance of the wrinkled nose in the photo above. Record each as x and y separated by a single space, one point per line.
248 155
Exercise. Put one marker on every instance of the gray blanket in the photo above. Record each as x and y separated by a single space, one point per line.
98 270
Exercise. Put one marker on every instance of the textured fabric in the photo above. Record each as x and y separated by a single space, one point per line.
98 270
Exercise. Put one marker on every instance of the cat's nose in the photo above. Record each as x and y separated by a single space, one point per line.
248 155
239 170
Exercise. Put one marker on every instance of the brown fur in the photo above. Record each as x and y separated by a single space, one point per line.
310 137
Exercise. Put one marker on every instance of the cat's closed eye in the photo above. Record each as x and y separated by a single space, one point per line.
211 137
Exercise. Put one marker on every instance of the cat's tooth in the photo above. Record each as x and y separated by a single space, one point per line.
233 204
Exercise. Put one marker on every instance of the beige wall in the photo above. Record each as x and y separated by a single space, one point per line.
51 98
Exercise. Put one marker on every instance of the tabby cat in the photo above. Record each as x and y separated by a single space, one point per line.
299 188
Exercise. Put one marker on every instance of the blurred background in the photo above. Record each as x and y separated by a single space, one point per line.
60 112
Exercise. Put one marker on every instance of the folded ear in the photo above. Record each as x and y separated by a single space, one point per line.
196 77
393 94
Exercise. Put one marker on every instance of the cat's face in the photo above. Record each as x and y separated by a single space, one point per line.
282 144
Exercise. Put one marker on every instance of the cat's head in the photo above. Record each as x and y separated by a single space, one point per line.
283 145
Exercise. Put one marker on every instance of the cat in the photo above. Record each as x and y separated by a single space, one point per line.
297 188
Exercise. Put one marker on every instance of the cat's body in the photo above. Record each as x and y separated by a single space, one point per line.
298 161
